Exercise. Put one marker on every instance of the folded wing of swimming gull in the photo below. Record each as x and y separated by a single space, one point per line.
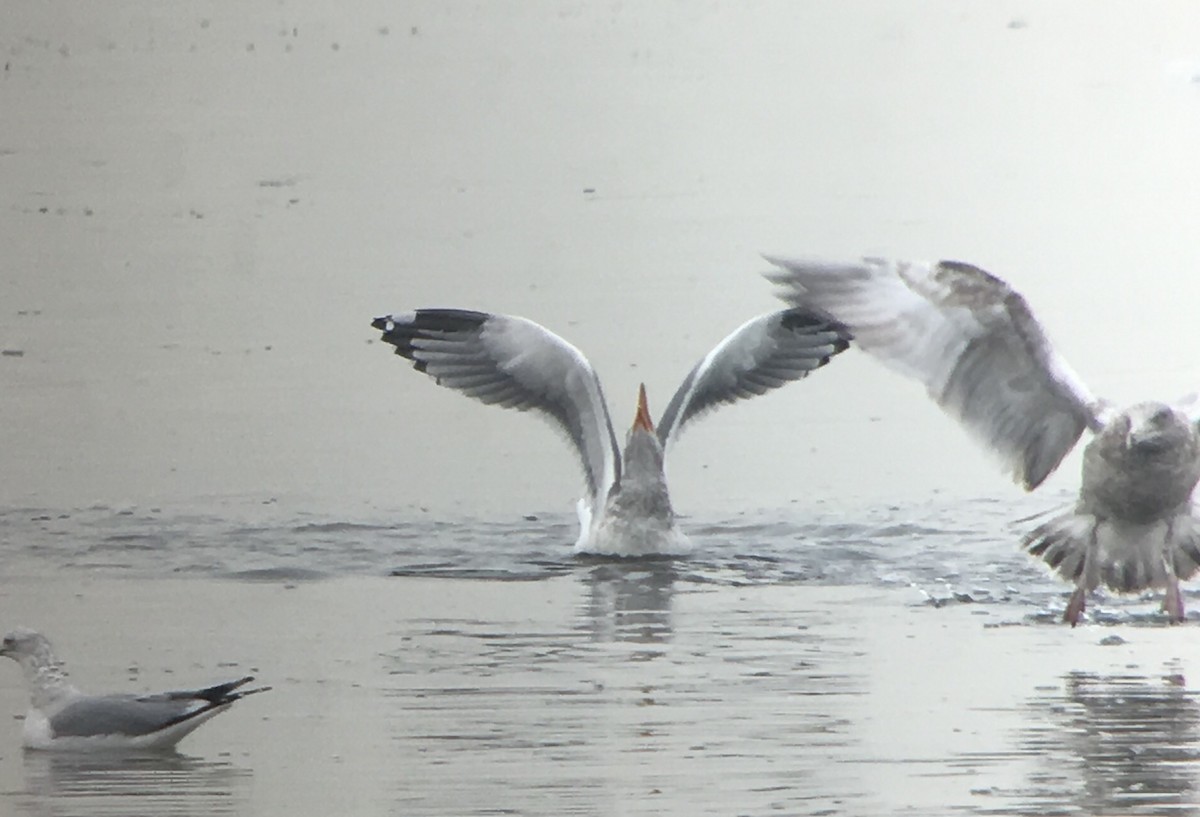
514 363
764 353
62 717
969 338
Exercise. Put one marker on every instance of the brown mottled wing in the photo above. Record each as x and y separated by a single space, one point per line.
969 338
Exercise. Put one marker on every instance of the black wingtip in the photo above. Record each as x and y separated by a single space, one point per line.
248 692
811 320
809 317
399 335
400 330
222 692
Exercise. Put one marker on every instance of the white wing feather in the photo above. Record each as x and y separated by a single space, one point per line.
763 354
969 338
514 363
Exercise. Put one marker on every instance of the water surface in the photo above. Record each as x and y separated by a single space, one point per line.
903 662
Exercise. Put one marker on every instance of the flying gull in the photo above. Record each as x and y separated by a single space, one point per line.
515 363
984 358
61 717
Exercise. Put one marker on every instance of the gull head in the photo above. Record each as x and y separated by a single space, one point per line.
32 651
643 460
641 419
1142 467
43 671
642 431
1154 428
24 643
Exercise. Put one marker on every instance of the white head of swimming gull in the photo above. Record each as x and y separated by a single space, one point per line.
984 358
60 717
515 363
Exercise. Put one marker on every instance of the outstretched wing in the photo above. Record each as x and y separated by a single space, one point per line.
764 353
513 363
969 337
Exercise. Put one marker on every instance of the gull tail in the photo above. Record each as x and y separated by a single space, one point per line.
219 694
212 700
1064 543
1125 557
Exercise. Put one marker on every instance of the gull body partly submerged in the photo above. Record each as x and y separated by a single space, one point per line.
60 717
515 363
983 357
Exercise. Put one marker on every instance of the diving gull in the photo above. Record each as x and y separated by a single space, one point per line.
984 358
515 363
61 717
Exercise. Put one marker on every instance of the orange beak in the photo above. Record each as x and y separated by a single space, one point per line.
642 418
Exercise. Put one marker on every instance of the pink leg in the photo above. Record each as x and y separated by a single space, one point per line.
1075 606
1173 600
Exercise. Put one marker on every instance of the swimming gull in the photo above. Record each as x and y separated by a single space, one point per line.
984 358
61 717
515 363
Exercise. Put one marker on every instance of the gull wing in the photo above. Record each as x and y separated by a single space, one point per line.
763 354
969 338
513 363
136 715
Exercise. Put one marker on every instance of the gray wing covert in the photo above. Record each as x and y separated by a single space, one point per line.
126 715
513 363
761 355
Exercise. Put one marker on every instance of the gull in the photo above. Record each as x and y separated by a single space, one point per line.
984 358
515 363
61 717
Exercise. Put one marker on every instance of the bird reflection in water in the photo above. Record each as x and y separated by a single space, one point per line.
1116 744
149 783
630 601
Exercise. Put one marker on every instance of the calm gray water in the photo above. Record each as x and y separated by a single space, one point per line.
905 661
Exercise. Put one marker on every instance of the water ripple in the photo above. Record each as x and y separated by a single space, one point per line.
948 551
